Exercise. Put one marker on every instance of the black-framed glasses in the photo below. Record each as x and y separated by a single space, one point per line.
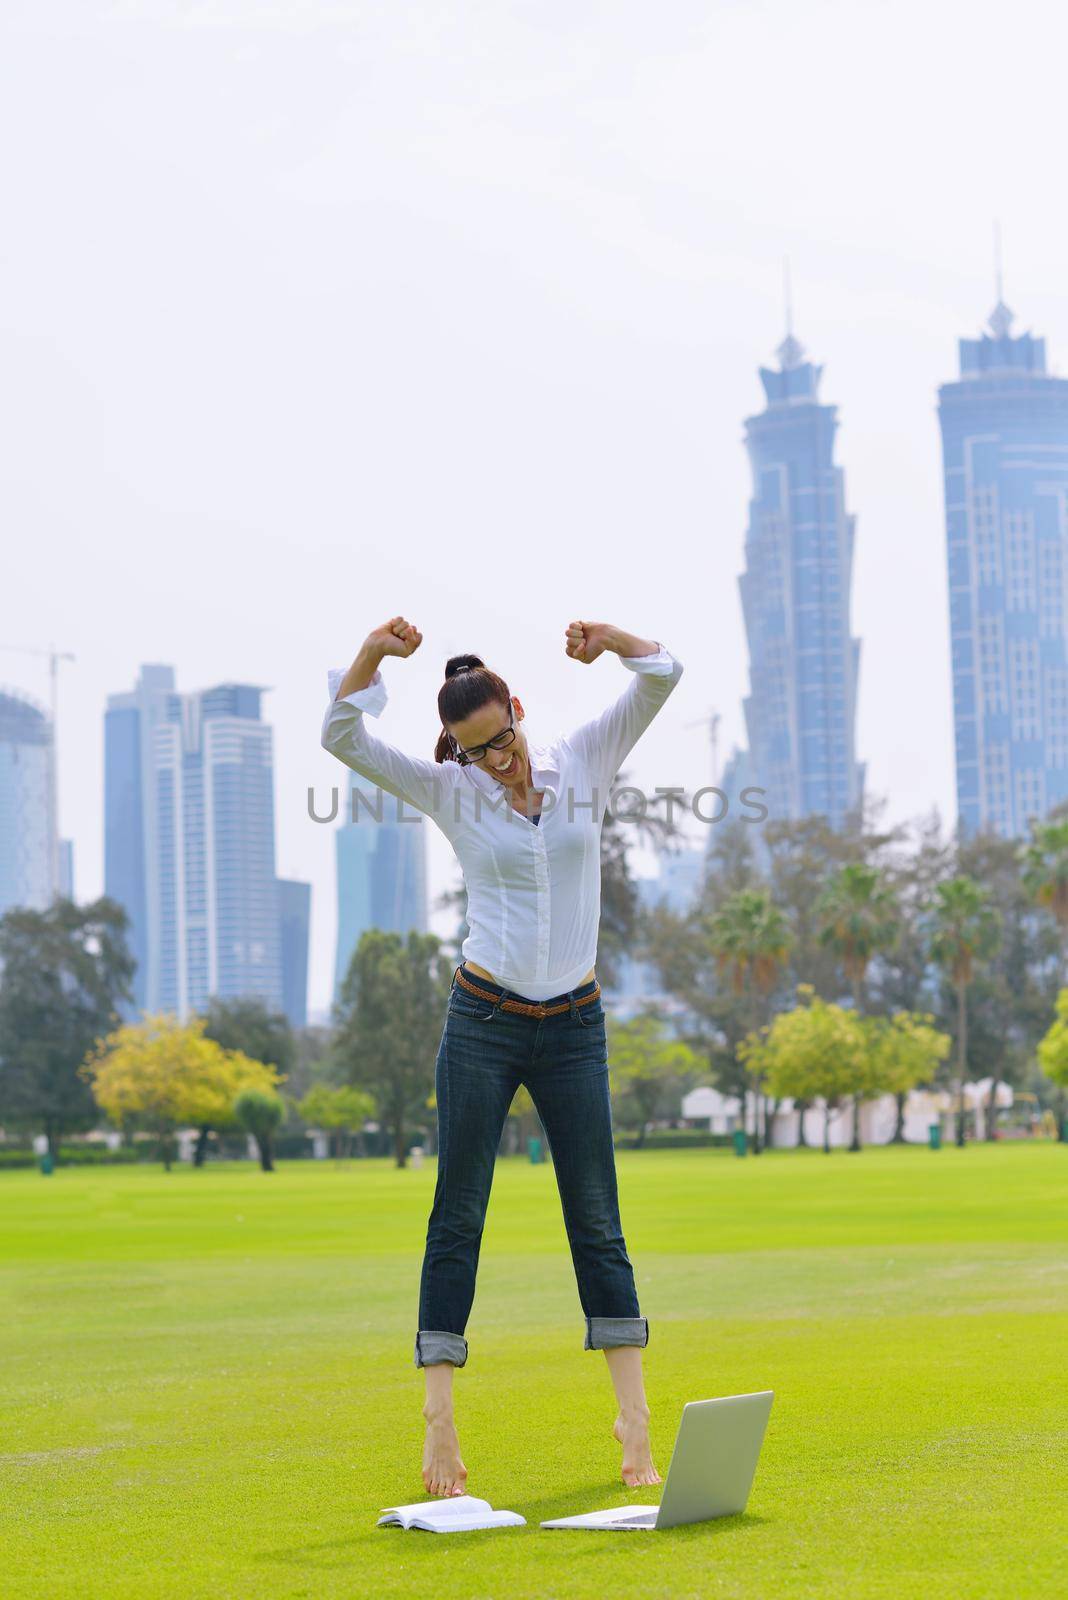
498 742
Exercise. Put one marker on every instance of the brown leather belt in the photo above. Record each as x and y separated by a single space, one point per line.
524 1007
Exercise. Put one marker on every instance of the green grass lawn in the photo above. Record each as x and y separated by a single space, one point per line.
207 1385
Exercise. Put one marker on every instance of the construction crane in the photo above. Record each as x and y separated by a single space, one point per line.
54 657
711 722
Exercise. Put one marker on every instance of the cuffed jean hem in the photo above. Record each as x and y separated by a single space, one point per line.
604 1331
432 1346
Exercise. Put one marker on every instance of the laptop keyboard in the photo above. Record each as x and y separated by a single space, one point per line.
646 1520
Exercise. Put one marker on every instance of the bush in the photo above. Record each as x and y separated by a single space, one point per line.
79 1155
291 1146
676 1139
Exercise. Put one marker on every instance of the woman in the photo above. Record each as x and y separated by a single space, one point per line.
524 819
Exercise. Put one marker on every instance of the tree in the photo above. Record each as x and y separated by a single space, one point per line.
64 973
1014 992
818 1051
905 978
313 1060
1053 1047
903 1051
804 854
259 1111
649 1069
964 932
750 939
1045 872
389 1019
625 825
341 1109
160 1074
857 918
1045 862
246 1024
680 948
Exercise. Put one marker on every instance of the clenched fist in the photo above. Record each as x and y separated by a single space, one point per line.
397 637
585 641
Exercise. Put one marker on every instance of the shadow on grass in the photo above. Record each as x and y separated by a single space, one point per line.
686 1533
535 1512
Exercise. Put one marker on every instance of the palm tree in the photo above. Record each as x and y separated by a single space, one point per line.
750 940
858 917
1045 877
1045 872
964 931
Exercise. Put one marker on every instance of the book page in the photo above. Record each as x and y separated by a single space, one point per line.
476 1519
450 1506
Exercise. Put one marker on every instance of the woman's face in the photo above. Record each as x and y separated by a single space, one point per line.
507 766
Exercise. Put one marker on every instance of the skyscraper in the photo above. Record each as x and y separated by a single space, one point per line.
28 847
131 856
294 921
1005 452
217 893
65 887
381 871
803 662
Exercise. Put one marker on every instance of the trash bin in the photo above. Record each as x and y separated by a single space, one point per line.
741 1142
534 1146
47 1164
934 1135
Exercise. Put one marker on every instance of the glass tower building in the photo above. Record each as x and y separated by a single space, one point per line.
381 871
27 804
1004 429
803 661
294 920
131 868
218 926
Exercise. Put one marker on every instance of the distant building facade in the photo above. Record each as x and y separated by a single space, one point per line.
30 863
294 922
381 871
131 849
217 893
743 806
65 886
1004 427
189 850
795 591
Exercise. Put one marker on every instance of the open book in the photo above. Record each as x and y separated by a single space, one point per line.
451 1514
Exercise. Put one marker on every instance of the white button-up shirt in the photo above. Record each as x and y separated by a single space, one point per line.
533 889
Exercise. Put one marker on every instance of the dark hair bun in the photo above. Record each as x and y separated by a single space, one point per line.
457 664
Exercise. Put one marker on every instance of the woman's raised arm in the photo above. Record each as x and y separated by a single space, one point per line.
606 739
361 688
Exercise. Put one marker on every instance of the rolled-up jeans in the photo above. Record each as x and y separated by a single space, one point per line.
484 1055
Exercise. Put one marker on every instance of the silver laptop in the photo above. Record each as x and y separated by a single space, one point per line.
711 1469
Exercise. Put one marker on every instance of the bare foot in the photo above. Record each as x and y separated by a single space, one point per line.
632 1431
443 1471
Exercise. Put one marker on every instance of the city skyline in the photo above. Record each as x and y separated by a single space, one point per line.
794 372
426 338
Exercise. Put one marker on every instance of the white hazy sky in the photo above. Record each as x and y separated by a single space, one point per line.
313 313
